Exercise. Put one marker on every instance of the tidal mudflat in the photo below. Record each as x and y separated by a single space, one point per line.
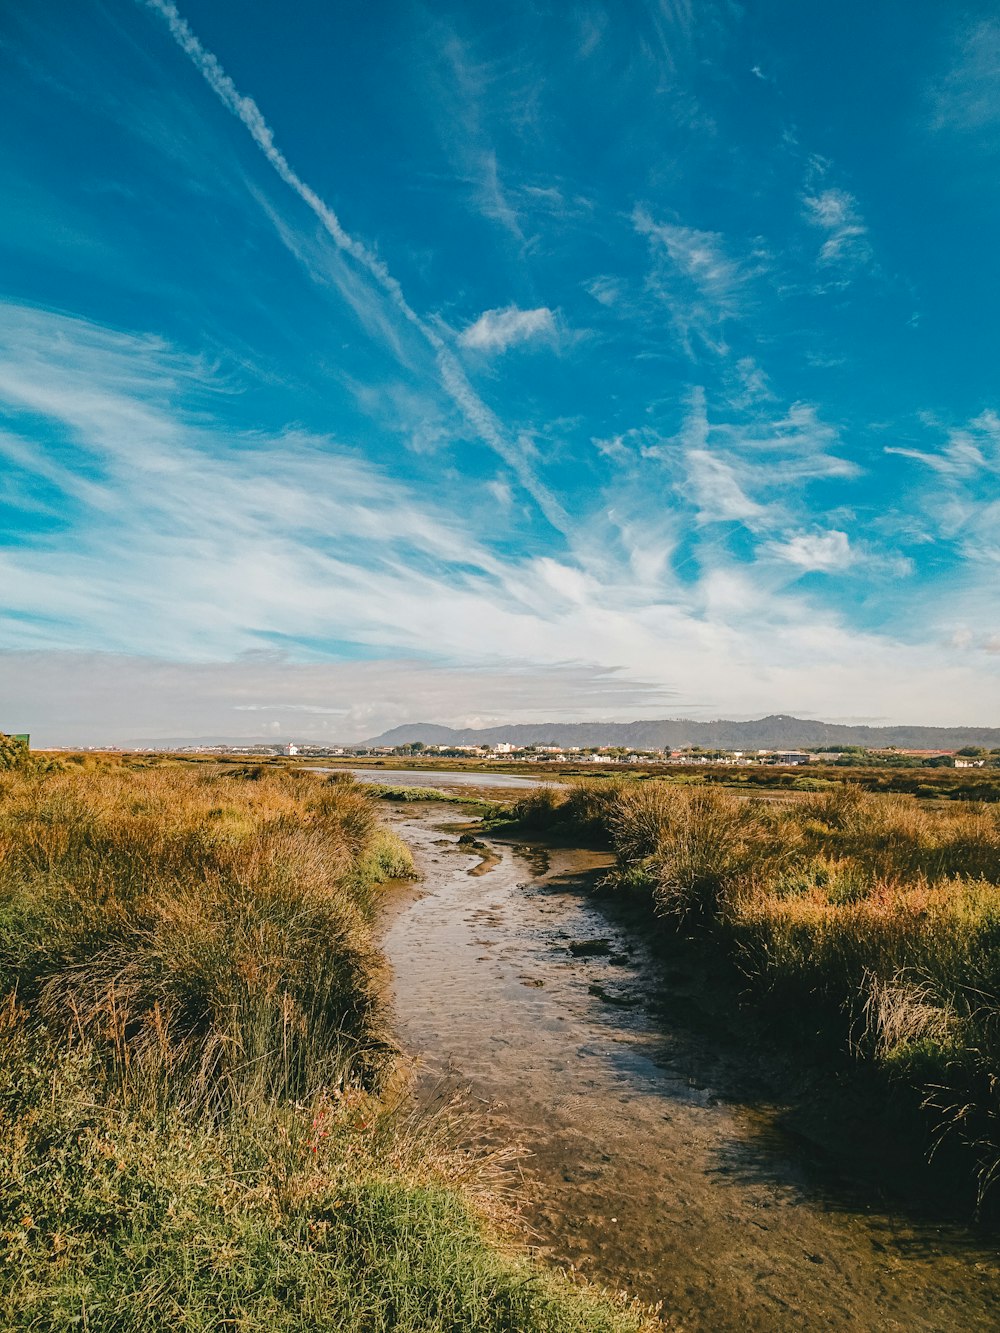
657 1162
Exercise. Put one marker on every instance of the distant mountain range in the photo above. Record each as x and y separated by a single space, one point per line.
767 733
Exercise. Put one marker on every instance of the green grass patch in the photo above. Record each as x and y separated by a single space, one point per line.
383 792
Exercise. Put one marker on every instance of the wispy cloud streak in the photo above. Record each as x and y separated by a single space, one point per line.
453 379
700 284
968 98
836 212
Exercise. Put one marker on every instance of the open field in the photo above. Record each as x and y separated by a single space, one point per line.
873 920
196 1117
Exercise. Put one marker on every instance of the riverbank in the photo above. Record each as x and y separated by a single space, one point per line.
864 923
196 1122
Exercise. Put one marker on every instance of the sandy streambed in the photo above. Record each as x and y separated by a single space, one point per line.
652 1169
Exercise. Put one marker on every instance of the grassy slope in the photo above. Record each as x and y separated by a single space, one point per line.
192 1133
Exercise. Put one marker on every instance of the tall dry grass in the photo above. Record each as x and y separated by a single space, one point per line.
695 846
877 914
191 1050
197 926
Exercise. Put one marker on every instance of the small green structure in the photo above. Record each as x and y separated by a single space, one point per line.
20 736
14 752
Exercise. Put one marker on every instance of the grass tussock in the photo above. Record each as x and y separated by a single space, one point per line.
196 927
194 1132
580 810
877 915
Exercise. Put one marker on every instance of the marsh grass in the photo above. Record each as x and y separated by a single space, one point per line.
196 926
405 795
581 809
878 915
195 1126
343 1214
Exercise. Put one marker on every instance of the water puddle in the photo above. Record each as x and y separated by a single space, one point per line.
429 777
650 1169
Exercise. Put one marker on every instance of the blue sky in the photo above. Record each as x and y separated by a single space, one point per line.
365 364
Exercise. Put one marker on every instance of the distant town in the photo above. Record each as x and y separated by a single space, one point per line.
970 756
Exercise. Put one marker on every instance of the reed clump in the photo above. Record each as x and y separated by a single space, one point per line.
195 1128
579 809
195 926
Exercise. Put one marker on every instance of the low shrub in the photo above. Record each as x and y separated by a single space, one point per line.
540 809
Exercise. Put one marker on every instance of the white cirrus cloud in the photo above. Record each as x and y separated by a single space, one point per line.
972 450
958 500
498 330
715 488
697 279
754 473
968 97
700 256
822 552
605 290
755 387
836 212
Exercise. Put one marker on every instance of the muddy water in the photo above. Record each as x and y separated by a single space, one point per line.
429 777
651 1170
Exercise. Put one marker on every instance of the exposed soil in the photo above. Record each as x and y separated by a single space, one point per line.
661 1160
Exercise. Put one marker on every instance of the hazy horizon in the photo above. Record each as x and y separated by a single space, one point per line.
90 699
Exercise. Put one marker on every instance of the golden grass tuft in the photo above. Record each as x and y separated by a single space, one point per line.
877 913
196 921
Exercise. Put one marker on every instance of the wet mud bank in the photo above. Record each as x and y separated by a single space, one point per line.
658 1162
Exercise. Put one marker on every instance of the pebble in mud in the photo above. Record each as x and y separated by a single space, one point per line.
731 1224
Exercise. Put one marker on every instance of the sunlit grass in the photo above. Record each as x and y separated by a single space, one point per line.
194 1128
877 913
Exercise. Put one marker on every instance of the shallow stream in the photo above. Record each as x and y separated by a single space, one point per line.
656 1164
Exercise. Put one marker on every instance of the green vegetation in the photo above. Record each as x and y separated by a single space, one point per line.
13 752
195 1131
935 779
581 809
16 756
878 916
382 792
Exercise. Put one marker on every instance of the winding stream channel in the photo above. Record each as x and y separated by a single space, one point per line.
652 1168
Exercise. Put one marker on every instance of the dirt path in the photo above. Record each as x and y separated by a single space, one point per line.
651 1170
